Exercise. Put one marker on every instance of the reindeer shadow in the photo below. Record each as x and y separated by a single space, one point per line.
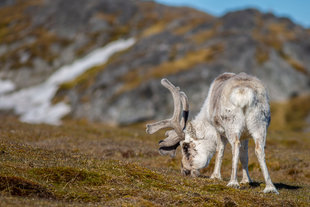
204 176
279 186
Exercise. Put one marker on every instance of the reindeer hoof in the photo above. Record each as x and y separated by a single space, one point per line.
233 184
245 181
271 189
216 176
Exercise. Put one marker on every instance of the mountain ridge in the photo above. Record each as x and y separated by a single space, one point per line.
185 45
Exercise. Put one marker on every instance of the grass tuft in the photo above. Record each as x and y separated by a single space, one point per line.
65 175
18 186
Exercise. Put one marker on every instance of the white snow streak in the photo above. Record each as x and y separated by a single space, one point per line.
34 103
6 86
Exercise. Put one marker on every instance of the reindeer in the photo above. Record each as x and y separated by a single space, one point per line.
236 108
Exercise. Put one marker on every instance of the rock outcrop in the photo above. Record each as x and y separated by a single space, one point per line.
187 46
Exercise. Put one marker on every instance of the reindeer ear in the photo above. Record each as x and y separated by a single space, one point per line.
169 145
171 151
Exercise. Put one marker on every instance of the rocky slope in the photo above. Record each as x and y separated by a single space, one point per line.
189 47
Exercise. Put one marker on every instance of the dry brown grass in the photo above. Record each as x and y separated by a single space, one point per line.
154 29
203 35
289 115
261 54
94 164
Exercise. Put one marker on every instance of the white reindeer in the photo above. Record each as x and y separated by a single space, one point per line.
236 108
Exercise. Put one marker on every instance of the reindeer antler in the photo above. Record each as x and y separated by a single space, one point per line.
173 137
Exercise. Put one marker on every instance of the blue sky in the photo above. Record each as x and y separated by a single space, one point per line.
296 10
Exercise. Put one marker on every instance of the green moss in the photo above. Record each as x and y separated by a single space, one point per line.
64 175
18 186
71 163
215 188
85 79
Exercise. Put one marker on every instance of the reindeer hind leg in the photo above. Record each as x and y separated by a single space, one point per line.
259 137
235 148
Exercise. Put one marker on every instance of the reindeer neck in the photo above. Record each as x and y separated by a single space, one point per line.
204 130
205 139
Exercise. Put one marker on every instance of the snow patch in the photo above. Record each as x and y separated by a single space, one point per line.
34 103
6 86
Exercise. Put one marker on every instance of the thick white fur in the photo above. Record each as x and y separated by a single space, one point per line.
242 96
242 106
205 143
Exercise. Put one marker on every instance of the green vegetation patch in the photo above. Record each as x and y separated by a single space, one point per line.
66 175
18 186
63 165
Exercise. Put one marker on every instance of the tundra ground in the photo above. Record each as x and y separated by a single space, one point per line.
82 164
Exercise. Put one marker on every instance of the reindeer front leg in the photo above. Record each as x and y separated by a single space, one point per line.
235 146
221 143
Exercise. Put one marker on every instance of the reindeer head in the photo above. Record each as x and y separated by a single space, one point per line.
179 132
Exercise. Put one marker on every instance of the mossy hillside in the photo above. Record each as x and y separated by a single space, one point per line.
274 35
268 36
204 35
261 54
151 26
85 80
154 29
16 27
158 18
138 76
190 24
38 49
14 20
